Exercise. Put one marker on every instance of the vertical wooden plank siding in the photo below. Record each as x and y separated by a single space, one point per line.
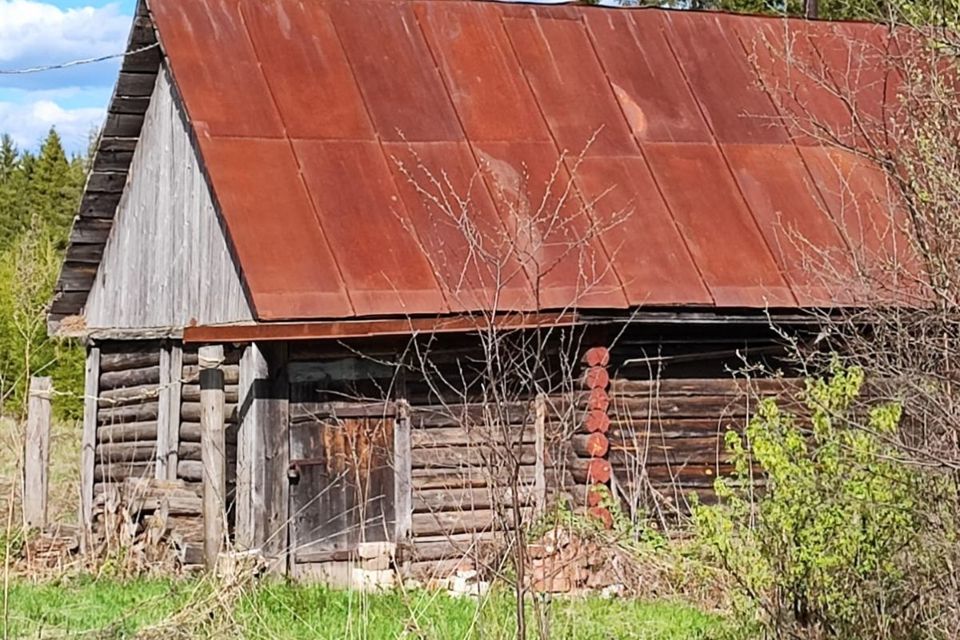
253 412
167 260
403 471
37 454
213 448
88 443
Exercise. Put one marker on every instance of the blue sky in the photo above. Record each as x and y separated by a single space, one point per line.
41 32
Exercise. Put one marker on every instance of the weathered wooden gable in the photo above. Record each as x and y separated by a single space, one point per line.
167 261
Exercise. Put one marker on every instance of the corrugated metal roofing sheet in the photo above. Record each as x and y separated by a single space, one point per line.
395 157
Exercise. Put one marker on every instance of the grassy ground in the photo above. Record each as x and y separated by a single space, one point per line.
161 609
64 498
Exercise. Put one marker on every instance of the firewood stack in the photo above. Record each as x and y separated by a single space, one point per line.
597 424
154 518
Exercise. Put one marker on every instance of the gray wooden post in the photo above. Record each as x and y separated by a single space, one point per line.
36 457
254 373
91 388
539 469
403 483
168 414
213 450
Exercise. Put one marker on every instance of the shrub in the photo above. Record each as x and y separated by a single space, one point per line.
833 542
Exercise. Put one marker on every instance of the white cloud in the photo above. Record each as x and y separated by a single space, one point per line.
28 122
31 30
35 33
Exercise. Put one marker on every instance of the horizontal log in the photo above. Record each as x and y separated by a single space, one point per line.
444 547
118 471
669 428
191 450
426 501
145 487
625 407
464 436
126 452
146 357
682 475
454 415
191 432
705 386
185 529
478 456
704 455
190 412
146 412
440 523
231 373
477 478
129 395
127 432
175 505
190 470
130 378
191 393
101 488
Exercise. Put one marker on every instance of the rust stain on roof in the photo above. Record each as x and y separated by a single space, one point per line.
370 156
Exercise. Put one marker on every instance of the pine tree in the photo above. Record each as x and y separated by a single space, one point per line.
13 204
55 186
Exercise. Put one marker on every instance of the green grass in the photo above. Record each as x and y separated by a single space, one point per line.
84 607
112 609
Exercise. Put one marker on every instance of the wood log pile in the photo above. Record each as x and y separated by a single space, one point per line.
157 523
51 548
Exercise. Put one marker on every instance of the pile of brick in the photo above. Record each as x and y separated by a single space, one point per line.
563 562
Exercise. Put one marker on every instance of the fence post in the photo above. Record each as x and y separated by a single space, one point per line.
88 450
36 458
213 449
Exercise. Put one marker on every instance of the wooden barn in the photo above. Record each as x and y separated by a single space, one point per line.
404 271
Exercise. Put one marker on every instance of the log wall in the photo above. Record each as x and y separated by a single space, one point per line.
132 412
667 436
189 466
459 482
127 412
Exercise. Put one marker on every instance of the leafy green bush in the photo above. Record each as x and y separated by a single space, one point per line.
39 195
833 542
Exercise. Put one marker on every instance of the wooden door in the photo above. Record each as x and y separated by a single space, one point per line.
342 478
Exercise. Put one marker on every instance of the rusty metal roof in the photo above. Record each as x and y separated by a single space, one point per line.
404 157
